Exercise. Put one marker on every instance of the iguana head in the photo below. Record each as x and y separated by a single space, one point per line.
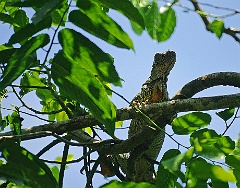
162 65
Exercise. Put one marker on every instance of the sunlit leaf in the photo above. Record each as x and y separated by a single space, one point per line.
236 151
168 24
69 158
160 24
78 71
136 28
119 124
29 30
117 184
98 23
59 15
226 114
215 172
61 116
209 144
80 49
174 163
55 172
127 9
24 167
233 161
76 82
46 10
30 78
188 123
15 123
152 20
164 177
49 104
22 59
217 26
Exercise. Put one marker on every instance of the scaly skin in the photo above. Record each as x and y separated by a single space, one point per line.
154 90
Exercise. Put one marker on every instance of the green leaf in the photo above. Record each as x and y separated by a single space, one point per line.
29 30
142 6
152 20
55 172
6 52
44 95
234 162
8 19
164 177
215 172
30 78
76 81
226 114
117 184
99 24
137 29
15 123
49 104
160 24
209 144
80 70
46 10
219 184
59 16
190 122
23 166
236 151
22 59
168 24
69 158
236 172
28 3
127 9
21 18
61 116
173 164
89 56
217 26
119 124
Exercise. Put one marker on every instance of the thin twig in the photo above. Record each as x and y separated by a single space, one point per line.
63 165
32 109
207 23
72 161
43 119
228 126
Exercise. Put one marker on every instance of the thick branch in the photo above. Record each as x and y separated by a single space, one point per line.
169 107
207 81
74 126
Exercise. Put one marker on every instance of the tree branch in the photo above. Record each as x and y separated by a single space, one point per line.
169 107
163 109
208 81
230 31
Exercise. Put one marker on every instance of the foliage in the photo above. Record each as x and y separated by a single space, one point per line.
72 82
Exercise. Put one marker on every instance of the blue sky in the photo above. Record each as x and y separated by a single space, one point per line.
198 53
